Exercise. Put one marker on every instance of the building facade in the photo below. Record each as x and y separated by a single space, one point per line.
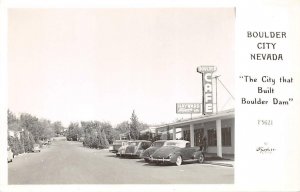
214 133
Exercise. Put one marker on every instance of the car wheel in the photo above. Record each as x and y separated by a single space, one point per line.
178 160
146 160
201 158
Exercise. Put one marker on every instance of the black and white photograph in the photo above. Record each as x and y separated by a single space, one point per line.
121 96
152 96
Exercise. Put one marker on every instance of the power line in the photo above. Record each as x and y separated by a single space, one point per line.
226 88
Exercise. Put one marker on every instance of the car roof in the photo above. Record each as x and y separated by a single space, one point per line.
178 141
139 141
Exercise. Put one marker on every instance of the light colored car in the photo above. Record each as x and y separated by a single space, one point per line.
136 148
121 150
36 148
10 155
116 145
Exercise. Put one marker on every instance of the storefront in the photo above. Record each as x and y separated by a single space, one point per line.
213 132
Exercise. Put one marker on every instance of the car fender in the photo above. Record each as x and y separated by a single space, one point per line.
174 157
139 153
197 154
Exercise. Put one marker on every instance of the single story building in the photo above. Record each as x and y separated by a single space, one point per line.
215 131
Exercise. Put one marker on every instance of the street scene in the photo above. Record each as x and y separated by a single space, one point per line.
121 96
68 162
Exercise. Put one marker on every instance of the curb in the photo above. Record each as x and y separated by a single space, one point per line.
220 164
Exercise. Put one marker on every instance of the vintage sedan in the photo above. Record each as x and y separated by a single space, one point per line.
177 151
154 146
136 148
116 145
36 148
121 150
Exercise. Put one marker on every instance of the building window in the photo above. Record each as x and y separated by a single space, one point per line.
198 136
186 135
212 137
226 136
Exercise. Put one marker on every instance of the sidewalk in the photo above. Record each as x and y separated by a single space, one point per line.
226 160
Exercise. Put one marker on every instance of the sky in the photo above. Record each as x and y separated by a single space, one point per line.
101 64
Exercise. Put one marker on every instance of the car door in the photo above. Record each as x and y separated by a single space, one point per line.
189 152
192 151
186 151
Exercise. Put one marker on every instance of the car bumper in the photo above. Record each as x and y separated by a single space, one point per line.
131 154
159 160
113 151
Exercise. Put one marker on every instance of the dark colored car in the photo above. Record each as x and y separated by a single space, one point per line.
154 146
136 148
177 151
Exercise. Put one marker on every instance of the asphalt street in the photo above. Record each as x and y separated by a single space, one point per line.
68 162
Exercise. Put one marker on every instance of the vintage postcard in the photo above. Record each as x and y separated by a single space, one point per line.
131 96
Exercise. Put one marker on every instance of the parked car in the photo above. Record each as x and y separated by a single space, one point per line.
136 148
44 145
177 151
121 150
10 155
116 145
36 148
154 146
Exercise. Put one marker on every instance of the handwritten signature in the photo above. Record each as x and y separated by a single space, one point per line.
265 149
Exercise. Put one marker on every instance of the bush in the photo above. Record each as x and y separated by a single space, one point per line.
95 136
15 145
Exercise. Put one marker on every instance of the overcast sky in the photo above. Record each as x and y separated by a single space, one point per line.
100 64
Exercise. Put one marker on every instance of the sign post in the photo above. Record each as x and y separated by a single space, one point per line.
207 92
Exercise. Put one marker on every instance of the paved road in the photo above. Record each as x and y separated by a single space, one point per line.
67 162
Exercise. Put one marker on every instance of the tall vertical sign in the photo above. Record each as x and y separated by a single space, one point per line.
207 90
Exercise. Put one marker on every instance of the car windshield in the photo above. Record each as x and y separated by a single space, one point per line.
134 143
158 144
124 143
177 144
117 142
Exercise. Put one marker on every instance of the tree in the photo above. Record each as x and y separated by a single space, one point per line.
28 141
95 136
74 131
31 123
57 127
134 126
108 131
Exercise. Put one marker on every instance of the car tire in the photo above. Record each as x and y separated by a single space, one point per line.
178 160
146 160
201 158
